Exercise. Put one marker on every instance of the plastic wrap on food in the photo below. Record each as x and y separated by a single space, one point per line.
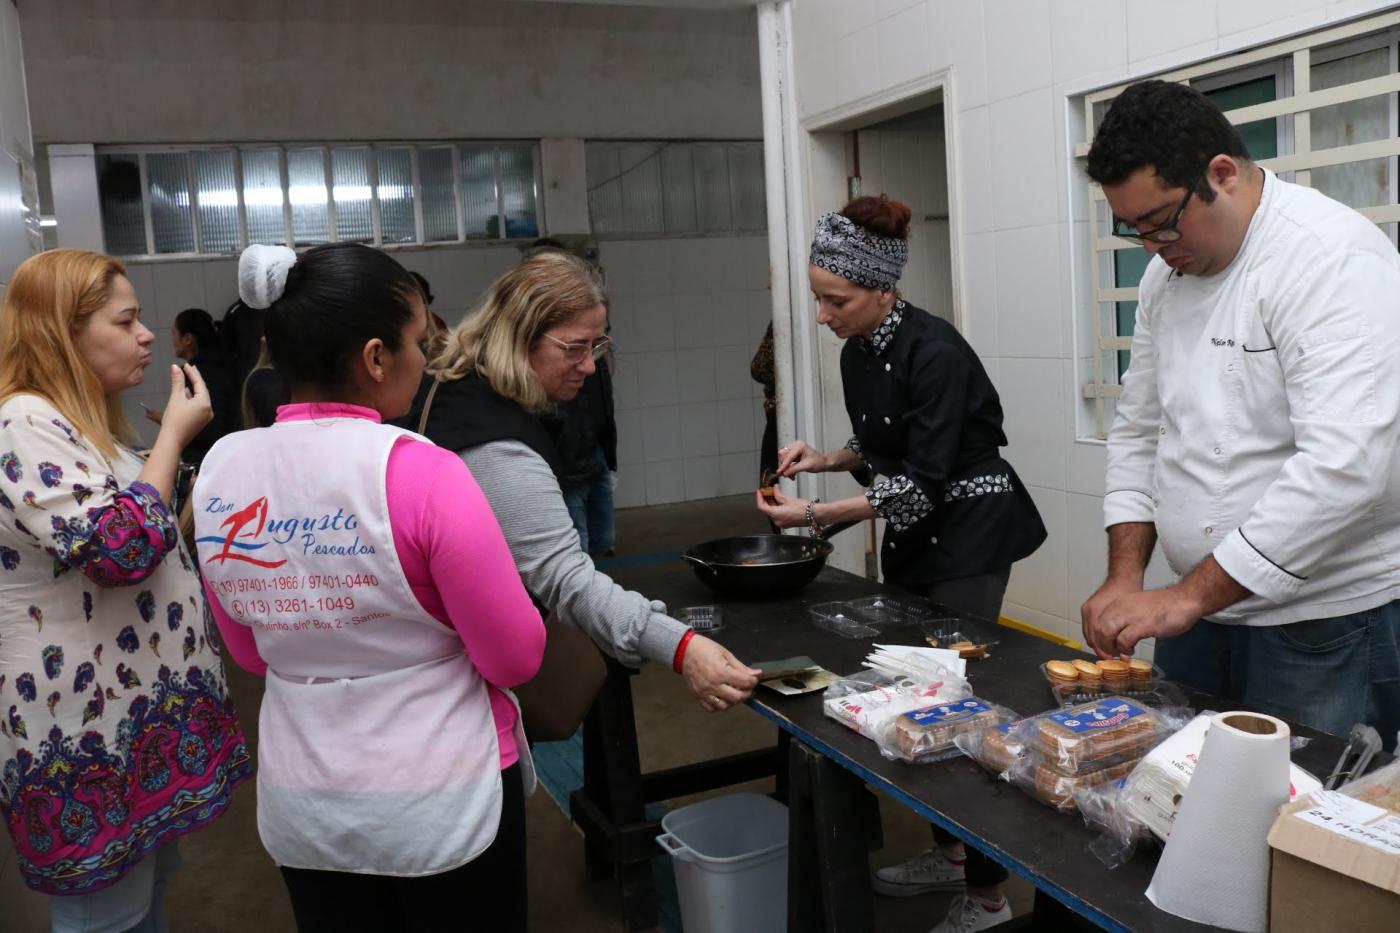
1090 735
929 733
1055 788
995 749
869 701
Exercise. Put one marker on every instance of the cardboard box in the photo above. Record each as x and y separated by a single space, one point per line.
1336 866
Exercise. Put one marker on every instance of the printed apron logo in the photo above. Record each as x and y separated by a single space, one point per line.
235 523
305 529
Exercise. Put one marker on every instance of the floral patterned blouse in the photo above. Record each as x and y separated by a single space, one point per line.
116 730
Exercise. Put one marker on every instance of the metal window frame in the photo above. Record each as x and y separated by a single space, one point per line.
1293 107
327 149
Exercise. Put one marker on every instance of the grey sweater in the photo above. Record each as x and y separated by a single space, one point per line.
525 496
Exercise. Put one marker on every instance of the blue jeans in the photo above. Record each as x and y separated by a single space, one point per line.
135 904
1325 673
591 509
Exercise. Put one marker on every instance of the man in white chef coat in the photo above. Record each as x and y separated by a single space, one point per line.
1256 435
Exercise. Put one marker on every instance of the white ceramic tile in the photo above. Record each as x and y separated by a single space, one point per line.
1023 161
661 433
656 378
699 430
1085 460
1018 53
848 17
857 69
1039 581
884 9
178 285
972 174
652 327
903 45
993 368
651 272
694 318
695 375
731 315
1032 398
1086 547
815 76
754 260
702 477
1088 36
1029 313
1156 29
631 438
738 473
631 488
979 312
1346 9
732 377
627 391
736 426
142 279
1176 58
957 39
1236 16
1045 621
220 286
665 482
696 264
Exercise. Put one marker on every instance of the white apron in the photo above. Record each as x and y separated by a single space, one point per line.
377 749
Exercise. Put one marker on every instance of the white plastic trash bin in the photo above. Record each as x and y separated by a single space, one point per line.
730 856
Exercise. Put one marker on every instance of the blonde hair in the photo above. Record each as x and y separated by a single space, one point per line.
245 404
544 291
48 303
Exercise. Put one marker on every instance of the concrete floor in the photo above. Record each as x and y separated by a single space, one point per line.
229 885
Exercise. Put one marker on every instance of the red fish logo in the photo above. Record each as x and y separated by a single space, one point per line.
236 523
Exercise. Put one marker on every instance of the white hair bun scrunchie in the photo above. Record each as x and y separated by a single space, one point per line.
262 274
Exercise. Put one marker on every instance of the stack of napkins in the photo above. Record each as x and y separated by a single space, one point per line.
1153 791
921 664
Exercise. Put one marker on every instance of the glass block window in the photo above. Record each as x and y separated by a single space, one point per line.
216 200
676 187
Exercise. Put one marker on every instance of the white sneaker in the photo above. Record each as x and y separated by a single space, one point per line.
967 915
927 871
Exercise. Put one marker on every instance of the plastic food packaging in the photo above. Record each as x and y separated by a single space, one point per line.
1380 788
929 733
973 639
868 702
703 619
995 749
1105 731
1055 788
866 617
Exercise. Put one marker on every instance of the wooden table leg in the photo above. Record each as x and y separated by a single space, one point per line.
828 846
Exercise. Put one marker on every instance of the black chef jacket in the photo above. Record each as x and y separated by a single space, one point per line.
922 407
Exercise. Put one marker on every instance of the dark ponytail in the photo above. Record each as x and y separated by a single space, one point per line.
196 323
338 297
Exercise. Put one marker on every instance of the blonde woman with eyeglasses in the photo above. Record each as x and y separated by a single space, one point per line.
529 346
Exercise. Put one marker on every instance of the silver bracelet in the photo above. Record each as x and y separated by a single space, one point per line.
811 516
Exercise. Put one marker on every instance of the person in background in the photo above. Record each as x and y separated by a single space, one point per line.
438 325
195 341
530 345
118 736
263 393
392 772
1256 436
925 416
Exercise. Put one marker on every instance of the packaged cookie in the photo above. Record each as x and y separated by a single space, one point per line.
995 749
928 734
1051 786
1096 733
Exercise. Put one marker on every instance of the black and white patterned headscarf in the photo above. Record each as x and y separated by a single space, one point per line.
847 249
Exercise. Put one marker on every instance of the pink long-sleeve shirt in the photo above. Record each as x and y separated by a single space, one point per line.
456 560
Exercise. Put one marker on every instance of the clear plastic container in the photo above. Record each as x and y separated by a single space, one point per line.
868 616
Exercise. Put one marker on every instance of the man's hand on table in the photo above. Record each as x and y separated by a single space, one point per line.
715 676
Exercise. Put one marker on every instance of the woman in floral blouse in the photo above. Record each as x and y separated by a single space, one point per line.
117 735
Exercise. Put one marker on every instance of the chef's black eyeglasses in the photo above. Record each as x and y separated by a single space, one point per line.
1167 232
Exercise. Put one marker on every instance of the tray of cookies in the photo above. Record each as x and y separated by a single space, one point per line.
1081 680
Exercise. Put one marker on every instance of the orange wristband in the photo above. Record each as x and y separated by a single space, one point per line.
680 650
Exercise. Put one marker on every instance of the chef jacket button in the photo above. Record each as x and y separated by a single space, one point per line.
1162 430
1217 451
1230 368
887 419
932 540
887 367
1210 529
862 417
892 545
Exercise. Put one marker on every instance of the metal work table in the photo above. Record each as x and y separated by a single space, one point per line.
823 769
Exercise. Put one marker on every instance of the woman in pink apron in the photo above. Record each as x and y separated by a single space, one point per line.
361 570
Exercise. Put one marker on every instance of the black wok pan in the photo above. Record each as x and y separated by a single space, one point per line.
758 566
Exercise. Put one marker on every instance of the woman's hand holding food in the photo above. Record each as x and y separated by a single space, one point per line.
715 676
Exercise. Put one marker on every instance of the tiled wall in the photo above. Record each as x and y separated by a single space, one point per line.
1014 64
687 316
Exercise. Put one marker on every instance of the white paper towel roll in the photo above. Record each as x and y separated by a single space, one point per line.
1215 867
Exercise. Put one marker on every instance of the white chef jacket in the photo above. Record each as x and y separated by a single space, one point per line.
1259 417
